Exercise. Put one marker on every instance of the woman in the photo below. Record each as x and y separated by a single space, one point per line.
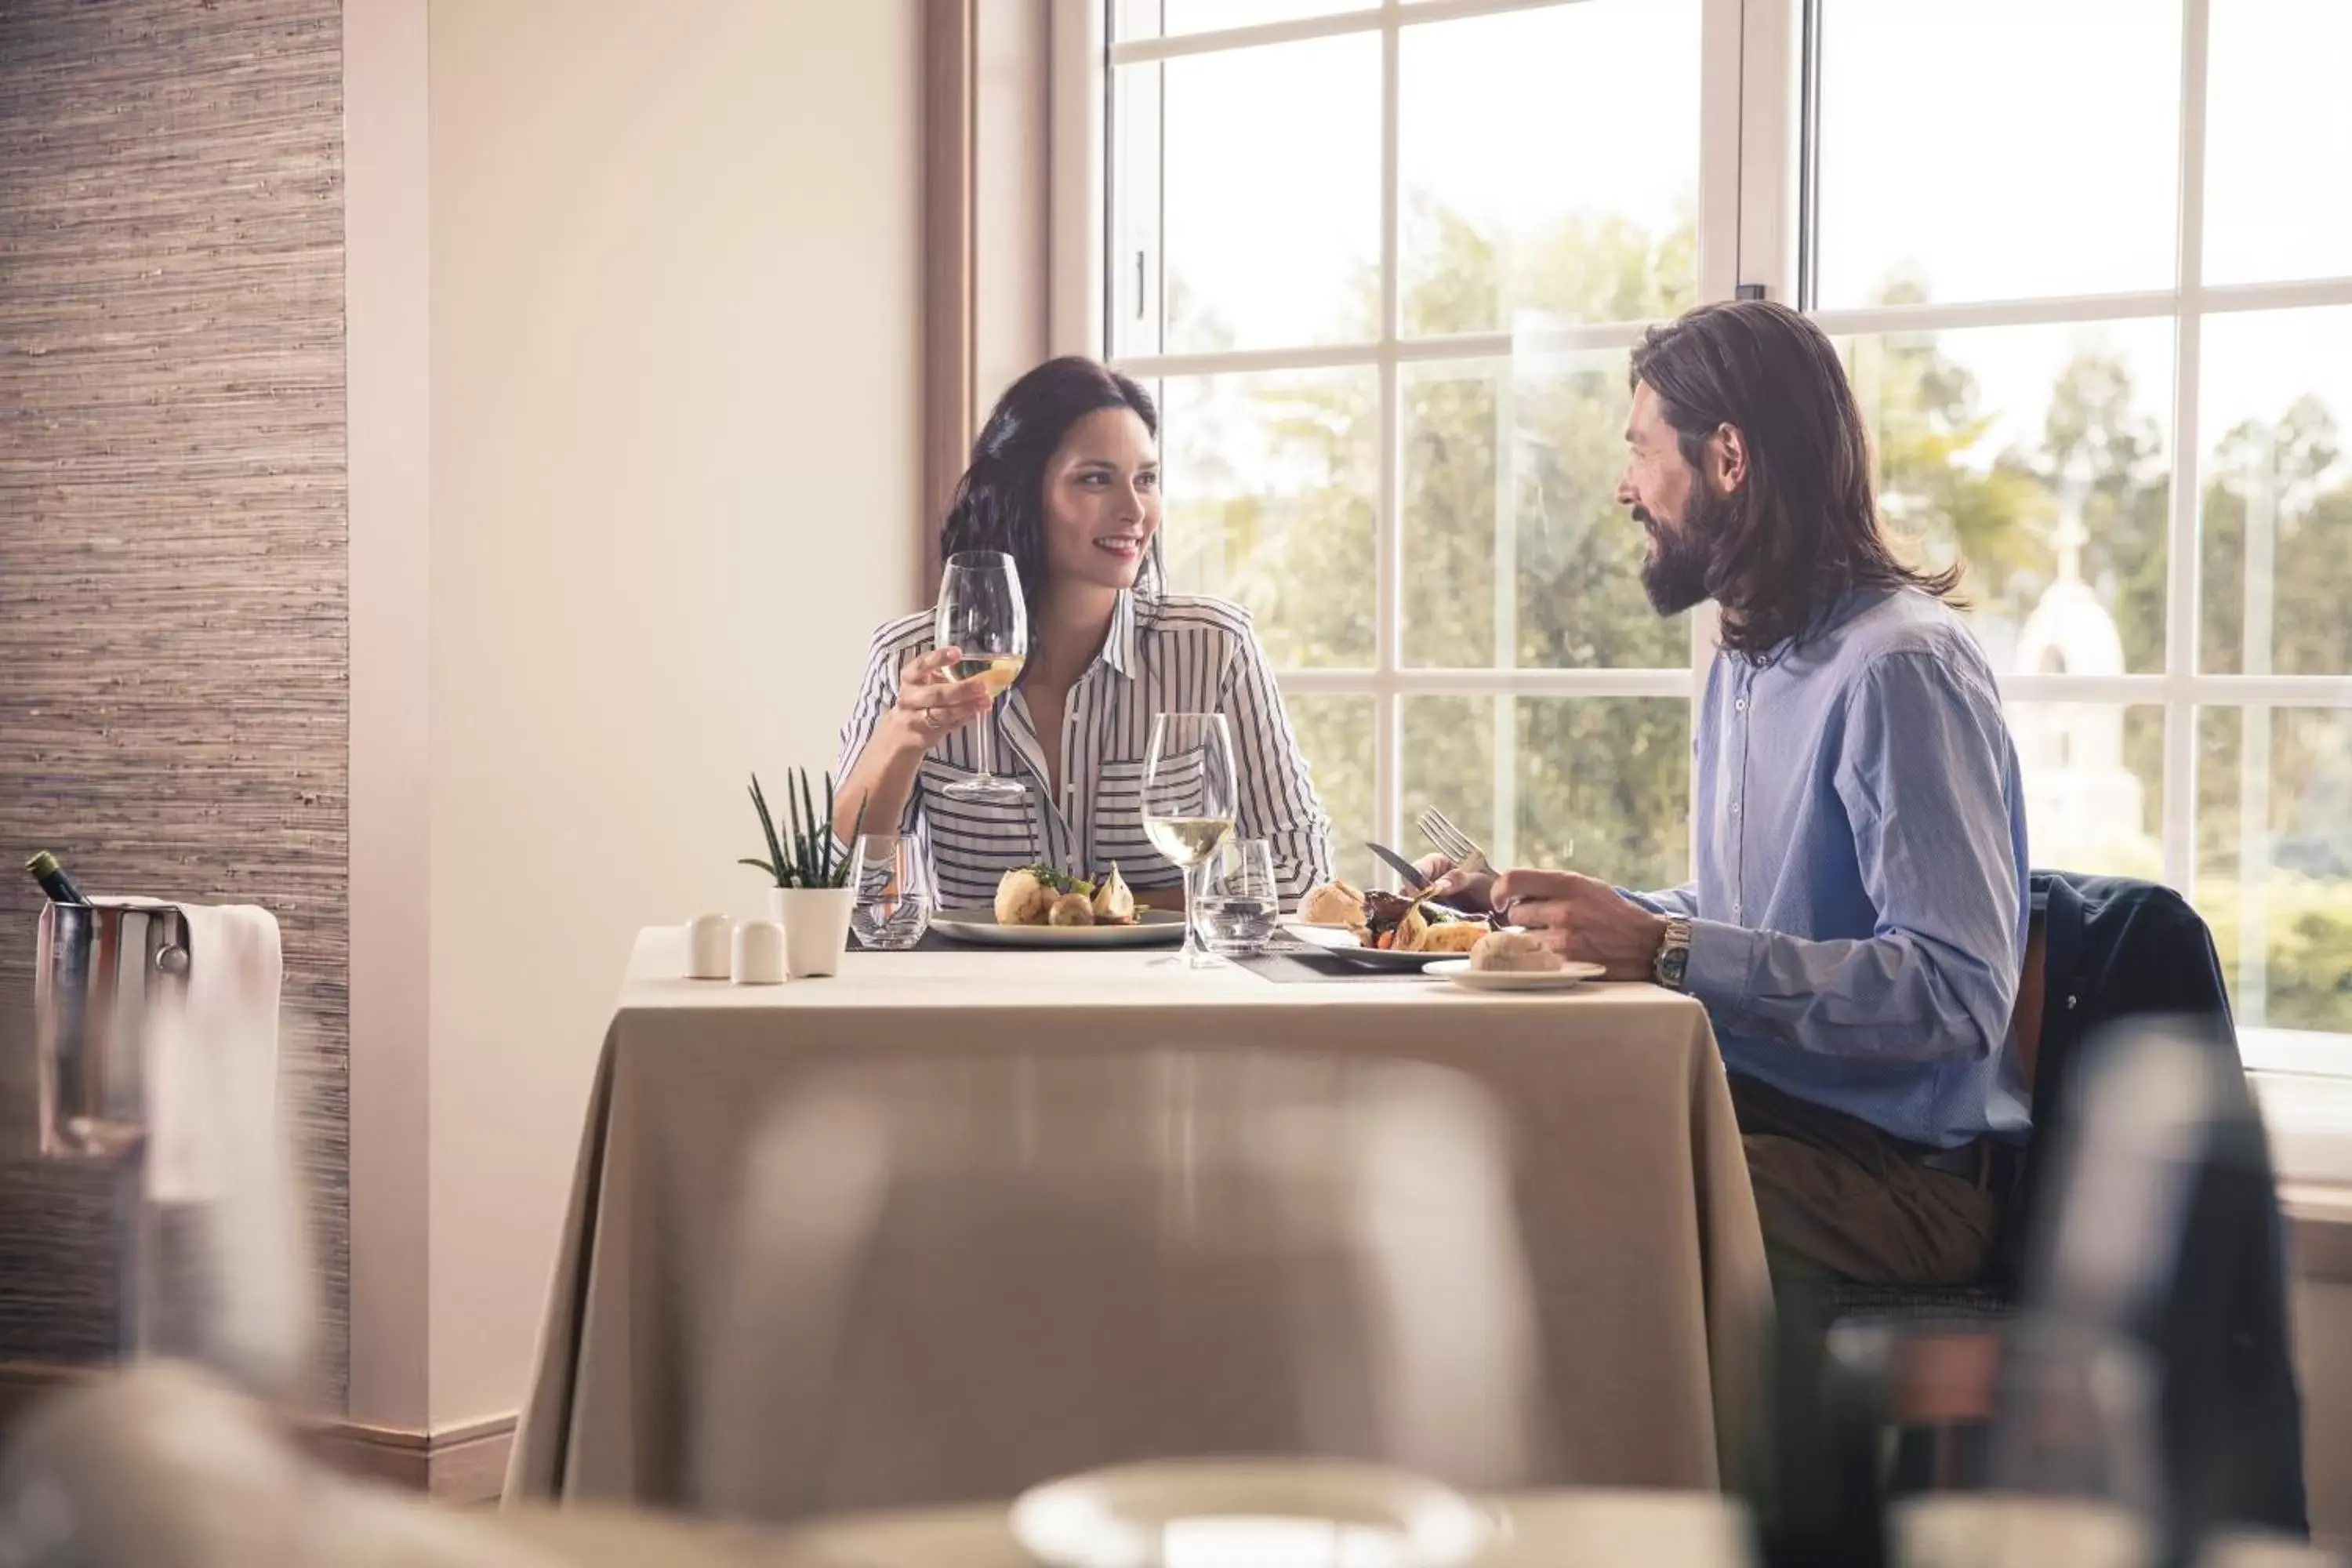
1065 478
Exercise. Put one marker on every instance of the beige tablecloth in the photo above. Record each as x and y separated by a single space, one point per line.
1632 1196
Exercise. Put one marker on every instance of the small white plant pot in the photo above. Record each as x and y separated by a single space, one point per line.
816 927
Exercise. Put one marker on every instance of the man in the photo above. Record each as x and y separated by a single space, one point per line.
1858 921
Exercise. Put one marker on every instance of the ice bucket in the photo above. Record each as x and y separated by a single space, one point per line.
102 971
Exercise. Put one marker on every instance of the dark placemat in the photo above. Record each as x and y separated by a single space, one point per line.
1302 964
1285 964
932 943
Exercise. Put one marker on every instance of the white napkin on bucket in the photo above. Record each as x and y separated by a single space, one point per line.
212 1061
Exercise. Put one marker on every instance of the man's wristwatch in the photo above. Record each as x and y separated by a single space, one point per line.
1674 954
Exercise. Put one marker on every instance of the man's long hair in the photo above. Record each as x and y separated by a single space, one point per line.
1803 527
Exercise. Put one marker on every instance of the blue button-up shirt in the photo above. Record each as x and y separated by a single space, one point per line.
1860 913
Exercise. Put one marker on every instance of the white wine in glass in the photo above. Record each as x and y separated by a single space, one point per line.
1190 802
1187 840
982 614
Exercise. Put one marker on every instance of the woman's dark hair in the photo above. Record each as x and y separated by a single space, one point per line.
1000 502
1804 527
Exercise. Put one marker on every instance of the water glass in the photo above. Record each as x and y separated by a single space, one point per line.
892 907
1239 900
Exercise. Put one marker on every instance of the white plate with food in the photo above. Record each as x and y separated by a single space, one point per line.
1566 977
1039 906
1383 931
1151 927
1268 1513
1341 941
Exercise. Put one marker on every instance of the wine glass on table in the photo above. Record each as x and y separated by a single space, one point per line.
981 612
1189 800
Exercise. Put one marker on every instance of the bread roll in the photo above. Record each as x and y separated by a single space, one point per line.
1515 951
1021 899
1334 904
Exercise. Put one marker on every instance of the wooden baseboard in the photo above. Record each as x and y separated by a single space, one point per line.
464 1463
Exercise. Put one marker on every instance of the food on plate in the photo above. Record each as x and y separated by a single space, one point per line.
1040 895
1515 952
1023 898
1114 904
1453 936
1397 924
1332 903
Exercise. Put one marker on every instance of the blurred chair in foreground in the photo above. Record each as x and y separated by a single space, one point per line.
961 1277
2105 949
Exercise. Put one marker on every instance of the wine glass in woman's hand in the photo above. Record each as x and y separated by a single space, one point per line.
932 703
983 615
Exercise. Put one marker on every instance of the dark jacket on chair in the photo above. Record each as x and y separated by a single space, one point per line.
2232 1437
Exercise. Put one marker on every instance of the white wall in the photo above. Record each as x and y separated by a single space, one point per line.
673 486
388 407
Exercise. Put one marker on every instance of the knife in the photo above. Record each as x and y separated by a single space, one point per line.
1400 865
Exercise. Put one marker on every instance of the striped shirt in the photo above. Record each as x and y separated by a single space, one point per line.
1165 654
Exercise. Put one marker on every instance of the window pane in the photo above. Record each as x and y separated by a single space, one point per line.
1611 777
1448 747
2278 140
2277 523
2094 785
2042 457
1335 734
1269 481
1997 150
1577 554
1260 225
1516 192
1167 18
1599 785
2274 861
1452 441
1545 432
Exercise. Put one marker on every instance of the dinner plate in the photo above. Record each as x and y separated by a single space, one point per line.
1341 942
1268 1514
1153 928
1458 971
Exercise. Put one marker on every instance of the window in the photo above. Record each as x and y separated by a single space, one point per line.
1382 266
2104 338
1382 262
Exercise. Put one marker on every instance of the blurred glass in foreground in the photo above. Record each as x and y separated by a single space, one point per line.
958 1278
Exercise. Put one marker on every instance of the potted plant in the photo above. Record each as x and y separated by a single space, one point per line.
811 895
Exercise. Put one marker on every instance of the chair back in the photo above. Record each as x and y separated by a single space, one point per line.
2123 952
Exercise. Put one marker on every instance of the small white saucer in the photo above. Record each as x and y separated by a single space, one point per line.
1458 971
1265 1512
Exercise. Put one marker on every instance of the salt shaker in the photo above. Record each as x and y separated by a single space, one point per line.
706 937
758 953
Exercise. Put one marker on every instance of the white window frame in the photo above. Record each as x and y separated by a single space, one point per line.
1753 147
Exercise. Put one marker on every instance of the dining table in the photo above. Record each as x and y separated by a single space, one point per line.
1625 1184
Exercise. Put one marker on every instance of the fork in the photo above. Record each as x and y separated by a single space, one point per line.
1468 858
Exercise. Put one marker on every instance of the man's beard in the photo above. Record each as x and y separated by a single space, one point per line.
1676 576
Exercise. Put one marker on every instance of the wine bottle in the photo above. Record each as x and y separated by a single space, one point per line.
51 875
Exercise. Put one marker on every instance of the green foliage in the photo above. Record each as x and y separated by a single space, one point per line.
804 854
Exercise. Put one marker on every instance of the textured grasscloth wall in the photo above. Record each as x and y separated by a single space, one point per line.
172 645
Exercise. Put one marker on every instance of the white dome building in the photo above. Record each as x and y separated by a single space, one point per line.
2085 809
